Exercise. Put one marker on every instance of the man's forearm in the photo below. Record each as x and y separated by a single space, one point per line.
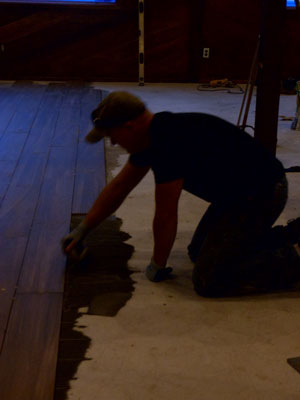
164 231
108 201
113 195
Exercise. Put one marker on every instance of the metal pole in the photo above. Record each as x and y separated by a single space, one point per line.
141 43
269 63
251 83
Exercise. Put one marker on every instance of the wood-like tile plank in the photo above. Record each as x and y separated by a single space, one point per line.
90 176
6 301
22 120
92 96
6 170
42 162
9 101
12 252
85 123
20 199
3 190
29 355
55 202
87 187
30 169
73 95
90 165
67 128
11 146
44 264
17 211
90 157
89 102
43 128
4 92
57 87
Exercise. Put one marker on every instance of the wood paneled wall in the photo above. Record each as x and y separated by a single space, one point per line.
101 43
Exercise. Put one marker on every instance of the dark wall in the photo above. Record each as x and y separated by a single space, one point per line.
68 42
291 45
101 43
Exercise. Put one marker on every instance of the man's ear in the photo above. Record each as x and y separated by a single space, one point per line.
128 124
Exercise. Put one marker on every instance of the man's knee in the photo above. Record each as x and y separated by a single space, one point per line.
204 284
211 282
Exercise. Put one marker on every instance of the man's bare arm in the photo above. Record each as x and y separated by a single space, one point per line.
113 195
110 199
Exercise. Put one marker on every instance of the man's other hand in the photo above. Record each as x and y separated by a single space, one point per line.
156 273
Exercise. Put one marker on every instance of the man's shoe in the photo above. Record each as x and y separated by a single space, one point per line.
192 253
292 231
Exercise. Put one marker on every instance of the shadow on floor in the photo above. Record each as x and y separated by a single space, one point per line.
101 285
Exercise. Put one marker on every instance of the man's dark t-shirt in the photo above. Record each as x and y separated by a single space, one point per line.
216 160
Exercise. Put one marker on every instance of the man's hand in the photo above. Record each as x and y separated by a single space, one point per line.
156 273
110 198
72 243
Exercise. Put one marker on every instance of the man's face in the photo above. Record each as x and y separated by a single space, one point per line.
129 136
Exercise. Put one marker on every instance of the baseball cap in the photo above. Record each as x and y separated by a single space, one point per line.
116 109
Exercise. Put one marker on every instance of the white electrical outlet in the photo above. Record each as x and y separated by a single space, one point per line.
206 52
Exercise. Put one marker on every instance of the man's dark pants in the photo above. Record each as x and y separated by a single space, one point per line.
236 250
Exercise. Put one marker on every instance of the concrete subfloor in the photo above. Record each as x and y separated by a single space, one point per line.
167 342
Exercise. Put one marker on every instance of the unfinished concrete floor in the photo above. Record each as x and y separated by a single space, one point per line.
167 342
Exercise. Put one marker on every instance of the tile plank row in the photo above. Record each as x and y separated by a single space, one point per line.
47 172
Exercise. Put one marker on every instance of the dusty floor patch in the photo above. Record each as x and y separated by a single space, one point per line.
99 285
169 343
